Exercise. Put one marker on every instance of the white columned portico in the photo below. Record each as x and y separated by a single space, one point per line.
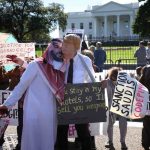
95 27
131 22
105 26
118 25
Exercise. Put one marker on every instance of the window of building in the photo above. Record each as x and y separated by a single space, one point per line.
126 24
114 27
90 36
102 24
81 26
72 25
90 25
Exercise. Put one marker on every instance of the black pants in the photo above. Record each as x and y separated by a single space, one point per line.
19 127
93 145
2 139
83 134
146 132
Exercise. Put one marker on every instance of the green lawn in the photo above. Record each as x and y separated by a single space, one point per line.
38 52
126 54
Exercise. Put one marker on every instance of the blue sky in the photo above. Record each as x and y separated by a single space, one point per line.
81 5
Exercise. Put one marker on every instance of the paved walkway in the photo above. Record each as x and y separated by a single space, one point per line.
133 139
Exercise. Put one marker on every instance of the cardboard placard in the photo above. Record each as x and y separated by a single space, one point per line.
130 98
84 103
13 113
21 50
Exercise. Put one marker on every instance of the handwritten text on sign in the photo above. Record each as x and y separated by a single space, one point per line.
83 103
13 113
20 49
130 97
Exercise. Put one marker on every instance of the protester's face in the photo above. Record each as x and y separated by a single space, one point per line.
141 45
68 50
57 46
56 51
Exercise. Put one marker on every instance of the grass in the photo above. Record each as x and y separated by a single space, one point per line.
126 54
38 52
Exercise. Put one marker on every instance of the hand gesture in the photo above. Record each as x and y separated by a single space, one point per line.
104 83
15 59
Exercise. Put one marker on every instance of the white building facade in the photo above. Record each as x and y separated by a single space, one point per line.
109 20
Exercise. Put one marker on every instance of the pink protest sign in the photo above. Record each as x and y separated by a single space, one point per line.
21 50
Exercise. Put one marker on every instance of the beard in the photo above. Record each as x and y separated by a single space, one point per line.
57 56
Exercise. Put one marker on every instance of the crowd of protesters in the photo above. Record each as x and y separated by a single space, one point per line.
40 85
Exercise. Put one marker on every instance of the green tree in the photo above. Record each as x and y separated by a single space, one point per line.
29 19
141 25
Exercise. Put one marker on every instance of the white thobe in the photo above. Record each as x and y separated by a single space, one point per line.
40 119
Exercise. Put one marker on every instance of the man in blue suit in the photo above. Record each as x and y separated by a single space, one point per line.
100 56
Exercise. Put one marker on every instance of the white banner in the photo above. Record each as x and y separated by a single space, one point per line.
21 50
13 113
130 98
79 32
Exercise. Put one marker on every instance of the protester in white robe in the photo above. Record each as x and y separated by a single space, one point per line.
43 82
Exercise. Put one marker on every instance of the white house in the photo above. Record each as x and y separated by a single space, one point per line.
109 20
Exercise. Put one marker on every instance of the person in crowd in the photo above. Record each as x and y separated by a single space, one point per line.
145 80
90 54
140 54
84 45
14 76
92 48
4 83
138 72
43 84
111 82
148 53
100 56
75 73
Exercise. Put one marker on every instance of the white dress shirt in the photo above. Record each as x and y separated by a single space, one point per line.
80 74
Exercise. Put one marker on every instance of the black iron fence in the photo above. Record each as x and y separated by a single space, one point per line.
121 56
118 38
117 54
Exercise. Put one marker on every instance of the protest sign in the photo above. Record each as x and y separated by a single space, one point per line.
13 113
130 97
21 50
79 32
83 103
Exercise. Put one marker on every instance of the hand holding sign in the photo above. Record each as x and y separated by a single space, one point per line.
104 83
3 110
